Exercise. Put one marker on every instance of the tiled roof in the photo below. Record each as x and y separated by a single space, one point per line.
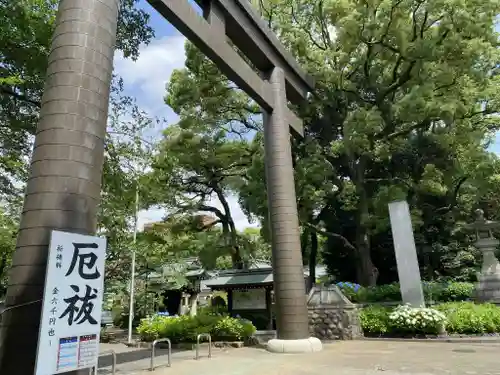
243 277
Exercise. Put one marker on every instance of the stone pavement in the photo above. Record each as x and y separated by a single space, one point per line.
340 358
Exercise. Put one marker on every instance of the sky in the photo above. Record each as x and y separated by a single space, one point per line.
146 80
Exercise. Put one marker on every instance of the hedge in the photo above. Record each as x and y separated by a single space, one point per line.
186 328
454 317
433 291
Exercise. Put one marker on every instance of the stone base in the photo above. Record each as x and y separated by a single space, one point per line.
488 288
335 322
312 344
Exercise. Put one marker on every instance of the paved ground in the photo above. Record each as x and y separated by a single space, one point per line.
340 358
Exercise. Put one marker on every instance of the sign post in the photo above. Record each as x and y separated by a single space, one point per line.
72 304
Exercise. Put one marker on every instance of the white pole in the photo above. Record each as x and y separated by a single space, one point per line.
132 276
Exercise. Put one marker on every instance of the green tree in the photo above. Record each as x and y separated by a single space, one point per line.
8 232
26 28
192 167
406 99
387 71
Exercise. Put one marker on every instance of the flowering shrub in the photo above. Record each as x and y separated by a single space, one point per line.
185 328
457 318
348 285
417 320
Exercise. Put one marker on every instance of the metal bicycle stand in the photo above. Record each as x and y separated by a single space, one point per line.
113 364
153 350
198 345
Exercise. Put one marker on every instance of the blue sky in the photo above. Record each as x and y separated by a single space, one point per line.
146 80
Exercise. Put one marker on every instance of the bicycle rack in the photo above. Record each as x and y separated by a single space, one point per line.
153 350
198 345
113 364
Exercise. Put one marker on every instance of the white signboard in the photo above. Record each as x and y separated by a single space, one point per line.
72 304
251 299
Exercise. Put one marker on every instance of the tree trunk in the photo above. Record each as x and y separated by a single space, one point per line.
366 272
313 256
3 266
230 230
304 243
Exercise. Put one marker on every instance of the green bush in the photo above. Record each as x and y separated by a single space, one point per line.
381 293
375 320
186 328
470 318
433 291
230 329
212 310
459 318
455 291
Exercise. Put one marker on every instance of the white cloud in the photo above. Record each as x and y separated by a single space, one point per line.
147 77
146 80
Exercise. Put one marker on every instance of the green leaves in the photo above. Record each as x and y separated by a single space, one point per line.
8 232
26 28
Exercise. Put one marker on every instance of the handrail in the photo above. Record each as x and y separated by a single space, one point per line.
113 364
153 351
198 345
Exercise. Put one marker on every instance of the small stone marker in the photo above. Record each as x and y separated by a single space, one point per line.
406 254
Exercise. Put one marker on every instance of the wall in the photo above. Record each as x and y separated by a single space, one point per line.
334 322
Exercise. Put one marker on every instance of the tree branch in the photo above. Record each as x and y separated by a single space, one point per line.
18 96
323 232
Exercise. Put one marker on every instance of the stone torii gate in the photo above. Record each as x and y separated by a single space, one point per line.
63 189
283 80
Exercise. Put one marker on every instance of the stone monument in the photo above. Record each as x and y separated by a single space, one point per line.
488 286
406 254
331 315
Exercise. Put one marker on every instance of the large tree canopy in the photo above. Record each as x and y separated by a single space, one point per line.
26 28
405 105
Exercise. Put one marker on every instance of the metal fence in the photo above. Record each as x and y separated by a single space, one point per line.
153 352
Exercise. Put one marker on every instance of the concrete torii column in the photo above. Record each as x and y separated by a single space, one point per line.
64 186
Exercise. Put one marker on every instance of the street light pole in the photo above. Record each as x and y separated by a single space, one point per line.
132 271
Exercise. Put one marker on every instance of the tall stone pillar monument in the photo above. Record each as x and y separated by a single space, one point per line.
65 180
488 286
406 254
